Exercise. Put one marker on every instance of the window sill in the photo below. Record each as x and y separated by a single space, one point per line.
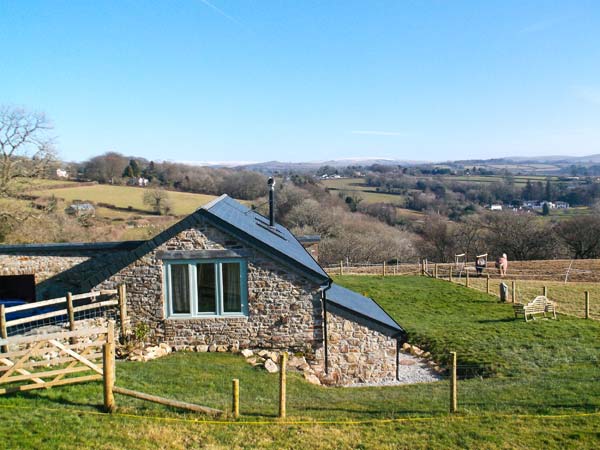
224 316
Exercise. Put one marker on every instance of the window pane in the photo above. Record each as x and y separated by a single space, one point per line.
232 294
180 289
206 288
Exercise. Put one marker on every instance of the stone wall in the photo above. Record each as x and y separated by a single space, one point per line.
285 311
43 267
358 353
284 308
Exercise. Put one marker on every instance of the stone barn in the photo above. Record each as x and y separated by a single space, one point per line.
223 276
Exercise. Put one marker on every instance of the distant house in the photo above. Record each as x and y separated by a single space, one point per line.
81 209
142 182
561 205
496 207
226 277
532 204
60 173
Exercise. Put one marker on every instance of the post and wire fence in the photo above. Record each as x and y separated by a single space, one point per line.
69 312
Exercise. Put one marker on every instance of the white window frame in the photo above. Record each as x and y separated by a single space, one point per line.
193 285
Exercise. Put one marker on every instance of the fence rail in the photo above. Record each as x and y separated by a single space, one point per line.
36 362
68 309
580 270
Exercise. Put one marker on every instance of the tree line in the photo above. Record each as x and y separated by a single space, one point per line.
115 168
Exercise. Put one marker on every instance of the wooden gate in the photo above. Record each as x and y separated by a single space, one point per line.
35 362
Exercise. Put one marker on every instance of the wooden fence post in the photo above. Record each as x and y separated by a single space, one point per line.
466 277
108 357
282 384
453 385
123 311
545 291
422 267
450 275
3 332
71 313
383 268
587 304
487 283
235 404
514 291
435 270
341 267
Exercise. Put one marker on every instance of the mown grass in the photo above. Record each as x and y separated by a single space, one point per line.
511 369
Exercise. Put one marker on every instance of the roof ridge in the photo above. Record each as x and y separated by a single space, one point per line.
213 202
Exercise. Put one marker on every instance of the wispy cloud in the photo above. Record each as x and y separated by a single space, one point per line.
379 133
589 94
220 12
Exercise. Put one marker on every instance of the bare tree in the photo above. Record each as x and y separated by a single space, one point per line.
438 243
520 236
106 168
25 147
581 235
158 200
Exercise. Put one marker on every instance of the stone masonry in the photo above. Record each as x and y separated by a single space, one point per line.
358 353
285 309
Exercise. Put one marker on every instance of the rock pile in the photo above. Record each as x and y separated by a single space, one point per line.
270 361
149 353
419 353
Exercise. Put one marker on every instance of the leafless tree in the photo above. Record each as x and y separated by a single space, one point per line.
106 168
26 148
158 200
581 235
438 243
520 236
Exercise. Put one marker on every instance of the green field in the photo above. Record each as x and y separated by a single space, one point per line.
125 196
368 193
527 385
519 180
569 297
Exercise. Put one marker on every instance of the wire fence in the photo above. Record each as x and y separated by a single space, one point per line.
71 312
579 299
578 270
572 297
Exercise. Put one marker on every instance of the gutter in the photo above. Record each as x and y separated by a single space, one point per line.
324 300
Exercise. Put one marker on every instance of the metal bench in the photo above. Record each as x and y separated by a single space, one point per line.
539 305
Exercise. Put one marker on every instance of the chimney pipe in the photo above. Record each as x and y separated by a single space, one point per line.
271 183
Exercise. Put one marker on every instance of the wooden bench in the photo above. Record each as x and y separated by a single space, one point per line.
539 305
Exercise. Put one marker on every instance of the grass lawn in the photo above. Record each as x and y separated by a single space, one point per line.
548 369
124 196
569 297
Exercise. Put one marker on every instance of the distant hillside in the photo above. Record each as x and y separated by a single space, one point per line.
271 166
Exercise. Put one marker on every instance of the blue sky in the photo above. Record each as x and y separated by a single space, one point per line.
257 80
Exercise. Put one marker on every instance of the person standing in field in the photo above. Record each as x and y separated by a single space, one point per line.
503 264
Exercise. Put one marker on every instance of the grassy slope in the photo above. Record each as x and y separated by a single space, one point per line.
544 367
569 297
124 196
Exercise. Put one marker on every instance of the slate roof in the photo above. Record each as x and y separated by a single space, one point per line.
241 220
359 304
76 248
231 216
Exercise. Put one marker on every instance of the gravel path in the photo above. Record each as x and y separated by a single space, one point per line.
411 370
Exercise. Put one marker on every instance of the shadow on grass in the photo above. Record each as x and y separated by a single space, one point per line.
60 400
506 319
